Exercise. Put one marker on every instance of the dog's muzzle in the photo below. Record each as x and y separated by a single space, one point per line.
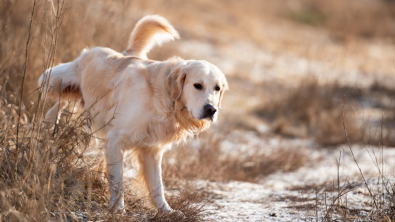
208 112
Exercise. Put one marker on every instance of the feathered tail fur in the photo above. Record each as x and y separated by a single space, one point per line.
150 31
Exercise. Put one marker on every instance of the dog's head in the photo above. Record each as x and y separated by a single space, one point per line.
199 86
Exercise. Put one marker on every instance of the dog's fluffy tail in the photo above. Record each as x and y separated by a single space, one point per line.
149 31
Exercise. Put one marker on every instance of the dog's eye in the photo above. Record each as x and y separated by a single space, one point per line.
217 88
198 86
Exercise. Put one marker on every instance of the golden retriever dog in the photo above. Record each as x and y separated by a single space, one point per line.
137 104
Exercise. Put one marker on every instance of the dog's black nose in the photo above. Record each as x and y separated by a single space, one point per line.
209 110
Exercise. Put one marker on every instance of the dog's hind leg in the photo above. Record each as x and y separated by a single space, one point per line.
56 110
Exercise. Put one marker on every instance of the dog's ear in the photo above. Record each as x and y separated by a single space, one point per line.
224 88
175 82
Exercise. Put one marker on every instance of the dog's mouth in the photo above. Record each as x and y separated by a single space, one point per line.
207 117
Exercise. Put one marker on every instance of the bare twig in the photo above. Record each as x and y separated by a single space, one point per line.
24 73
353 156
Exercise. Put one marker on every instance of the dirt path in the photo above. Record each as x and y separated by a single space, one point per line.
305 194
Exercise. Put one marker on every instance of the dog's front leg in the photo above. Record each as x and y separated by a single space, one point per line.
153 176
114 155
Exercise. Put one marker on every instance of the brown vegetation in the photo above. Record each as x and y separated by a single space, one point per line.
347 19
210 162
313 110
316 111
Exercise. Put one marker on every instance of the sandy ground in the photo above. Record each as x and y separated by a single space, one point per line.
292 196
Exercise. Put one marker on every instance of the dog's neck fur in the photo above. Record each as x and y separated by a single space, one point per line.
186 124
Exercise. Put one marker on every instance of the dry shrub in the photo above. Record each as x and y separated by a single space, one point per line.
212 162
388 138
382 132
43 172
311 110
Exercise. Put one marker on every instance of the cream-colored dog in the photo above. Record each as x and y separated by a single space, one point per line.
138 104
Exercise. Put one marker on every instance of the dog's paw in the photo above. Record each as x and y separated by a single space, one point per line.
118 207
118 210
170 213
178 214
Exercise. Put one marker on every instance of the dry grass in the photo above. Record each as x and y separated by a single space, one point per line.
311 110
210 161
315 111
346 19
43 171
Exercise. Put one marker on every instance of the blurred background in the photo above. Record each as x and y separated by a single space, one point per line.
299 71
